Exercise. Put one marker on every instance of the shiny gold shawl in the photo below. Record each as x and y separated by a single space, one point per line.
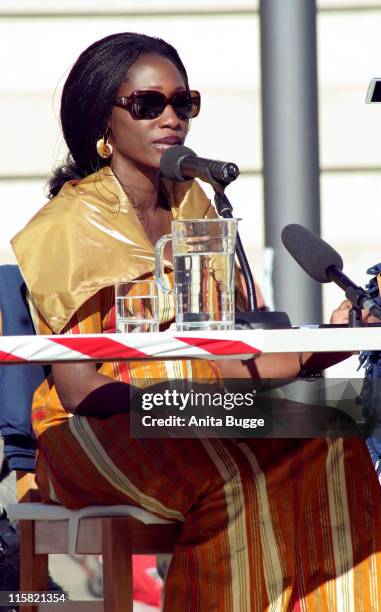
89 237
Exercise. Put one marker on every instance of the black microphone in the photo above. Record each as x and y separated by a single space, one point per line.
180 163
324 265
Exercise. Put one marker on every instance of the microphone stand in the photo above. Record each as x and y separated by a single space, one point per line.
354 317
253 318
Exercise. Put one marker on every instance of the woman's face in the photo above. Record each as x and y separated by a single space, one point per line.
141 142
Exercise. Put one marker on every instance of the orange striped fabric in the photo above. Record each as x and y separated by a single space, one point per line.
268 525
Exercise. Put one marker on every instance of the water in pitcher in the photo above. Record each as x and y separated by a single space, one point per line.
205 291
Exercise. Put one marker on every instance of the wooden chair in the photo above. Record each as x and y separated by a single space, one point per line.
51 529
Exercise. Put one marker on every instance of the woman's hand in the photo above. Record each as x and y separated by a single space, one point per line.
341 314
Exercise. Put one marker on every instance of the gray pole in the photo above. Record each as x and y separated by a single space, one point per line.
290 145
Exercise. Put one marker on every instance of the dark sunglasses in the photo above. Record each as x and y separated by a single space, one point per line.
150 104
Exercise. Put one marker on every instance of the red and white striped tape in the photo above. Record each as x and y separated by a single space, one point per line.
114 347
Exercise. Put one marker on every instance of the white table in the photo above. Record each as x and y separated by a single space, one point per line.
172 344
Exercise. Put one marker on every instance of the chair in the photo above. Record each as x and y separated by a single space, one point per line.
115 532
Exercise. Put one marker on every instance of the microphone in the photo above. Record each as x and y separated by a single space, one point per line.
324 265
180 163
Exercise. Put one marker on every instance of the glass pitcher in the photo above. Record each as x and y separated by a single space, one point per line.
203 262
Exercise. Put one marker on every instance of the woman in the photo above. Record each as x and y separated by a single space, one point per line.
266 523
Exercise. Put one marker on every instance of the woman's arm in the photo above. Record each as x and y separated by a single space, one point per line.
82 390
279 365
289 365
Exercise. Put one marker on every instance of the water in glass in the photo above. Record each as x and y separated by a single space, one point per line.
136 307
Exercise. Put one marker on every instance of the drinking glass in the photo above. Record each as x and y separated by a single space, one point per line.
136 307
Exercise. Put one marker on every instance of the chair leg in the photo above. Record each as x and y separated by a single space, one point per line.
117 568
33 568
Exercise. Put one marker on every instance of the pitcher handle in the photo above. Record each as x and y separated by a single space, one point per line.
159 264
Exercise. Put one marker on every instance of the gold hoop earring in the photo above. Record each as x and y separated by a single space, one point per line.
104 148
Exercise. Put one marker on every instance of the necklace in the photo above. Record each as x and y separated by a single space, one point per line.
146 220
144 216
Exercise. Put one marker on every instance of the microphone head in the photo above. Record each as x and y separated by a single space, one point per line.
311 252
170 163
